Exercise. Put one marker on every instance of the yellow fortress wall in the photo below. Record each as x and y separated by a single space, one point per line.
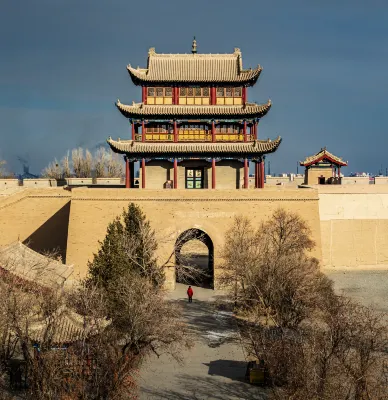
171 212
354 225
349 223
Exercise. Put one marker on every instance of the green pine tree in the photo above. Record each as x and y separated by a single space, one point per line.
129 247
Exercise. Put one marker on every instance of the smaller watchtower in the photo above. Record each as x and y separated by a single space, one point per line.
323 168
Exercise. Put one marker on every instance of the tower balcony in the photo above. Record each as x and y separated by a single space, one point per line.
200 136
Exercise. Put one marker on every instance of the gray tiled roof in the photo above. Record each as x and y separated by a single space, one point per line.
188 68
133 147
140 110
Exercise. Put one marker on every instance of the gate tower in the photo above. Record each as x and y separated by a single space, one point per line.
194 128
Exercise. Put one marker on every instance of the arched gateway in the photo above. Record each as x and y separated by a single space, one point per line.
194 258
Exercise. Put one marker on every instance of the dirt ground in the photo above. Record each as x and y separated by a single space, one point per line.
369 287
214 368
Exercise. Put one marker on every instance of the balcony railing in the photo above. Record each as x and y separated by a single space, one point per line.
192 136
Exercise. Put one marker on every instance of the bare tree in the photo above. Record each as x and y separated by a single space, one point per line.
66 172
89 343
53 170
99 162
87 165
314 344
2 168
77 156
114 165
270 270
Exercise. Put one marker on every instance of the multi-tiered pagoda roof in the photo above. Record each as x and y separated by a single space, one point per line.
195 107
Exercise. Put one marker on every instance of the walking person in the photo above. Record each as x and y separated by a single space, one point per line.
190 294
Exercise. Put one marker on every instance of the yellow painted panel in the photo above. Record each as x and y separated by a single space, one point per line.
237 100
168 100
151 100
205 100
190 100
229 100
159 100
220 100
182 100
198 100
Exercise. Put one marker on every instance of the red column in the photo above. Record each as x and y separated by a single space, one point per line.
213 173
133 130
213 131
213 95
245 131
177 95
244 95
256 174
144 94
143 172
261 166
175 132
246 174
127 174
257 130
175 173
143 131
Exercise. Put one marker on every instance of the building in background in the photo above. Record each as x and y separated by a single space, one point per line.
323 168
194 128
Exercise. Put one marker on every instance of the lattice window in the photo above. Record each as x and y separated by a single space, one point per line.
159 92
151 91
237 92
205 92
190 92
168 92
182 91
220 92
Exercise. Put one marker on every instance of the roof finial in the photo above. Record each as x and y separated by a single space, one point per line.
194 46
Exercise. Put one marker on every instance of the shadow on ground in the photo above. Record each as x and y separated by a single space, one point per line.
211 321
231 369
201 388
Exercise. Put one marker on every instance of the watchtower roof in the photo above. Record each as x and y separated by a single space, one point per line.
323 154
194 68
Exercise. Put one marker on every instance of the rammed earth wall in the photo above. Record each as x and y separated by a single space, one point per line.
171 212
349 223
354 225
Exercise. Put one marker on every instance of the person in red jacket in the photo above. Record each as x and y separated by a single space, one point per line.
190 294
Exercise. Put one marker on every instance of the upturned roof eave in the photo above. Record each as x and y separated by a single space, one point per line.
139 149
309 161
142 111
141 77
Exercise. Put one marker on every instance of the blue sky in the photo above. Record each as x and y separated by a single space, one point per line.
63 65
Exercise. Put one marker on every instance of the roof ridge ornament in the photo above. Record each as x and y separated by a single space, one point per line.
194 46
151 51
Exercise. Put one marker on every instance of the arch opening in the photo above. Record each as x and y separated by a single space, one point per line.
194 258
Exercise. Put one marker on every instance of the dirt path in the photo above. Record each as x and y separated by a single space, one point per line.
214 368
